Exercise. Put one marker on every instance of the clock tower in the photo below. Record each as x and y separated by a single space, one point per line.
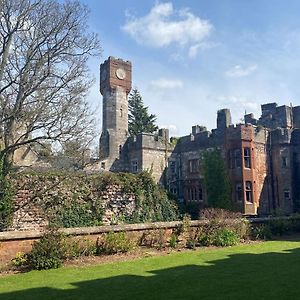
115 85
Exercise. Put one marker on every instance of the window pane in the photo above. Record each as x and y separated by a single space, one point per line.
247 158
248 187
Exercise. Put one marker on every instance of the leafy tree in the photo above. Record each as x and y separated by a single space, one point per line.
44 78
216 180
139 119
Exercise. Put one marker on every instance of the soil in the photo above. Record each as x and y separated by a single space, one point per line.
140 252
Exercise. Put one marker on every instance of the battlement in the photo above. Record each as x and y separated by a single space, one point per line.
281 136
115 72
240 131
197 129
274 116
249 119
151 141
199 138
118 59
268 108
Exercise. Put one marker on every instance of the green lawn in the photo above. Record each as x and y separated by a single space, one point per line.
269 270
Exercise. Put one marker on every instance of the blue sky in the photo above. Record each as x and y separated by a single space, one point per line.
191 58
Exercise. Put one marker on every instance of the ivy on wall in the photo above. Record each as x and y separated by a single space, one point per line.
74 199
216 180
152 201
6 199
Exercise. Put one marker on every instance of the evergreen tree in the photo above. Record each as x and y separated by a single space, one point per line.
139 119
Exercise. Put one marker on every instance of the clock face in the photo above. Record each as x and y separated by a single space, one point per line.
103 74
121 74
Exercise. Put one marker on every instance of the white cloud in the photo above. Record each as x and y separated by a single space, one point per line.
164 83
194 49
164 26
241 102
239 71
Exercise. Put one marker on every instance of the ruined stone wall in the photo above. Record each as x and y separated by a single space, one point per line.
37 197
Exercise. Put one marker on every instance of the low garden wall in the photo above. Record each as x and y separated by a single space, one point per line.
12 242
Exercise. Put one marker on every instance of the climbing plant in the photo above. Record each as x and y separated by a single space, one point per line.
216 180
6 198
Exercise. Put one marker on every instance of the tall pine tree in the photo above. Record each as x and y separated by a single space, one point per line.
139 119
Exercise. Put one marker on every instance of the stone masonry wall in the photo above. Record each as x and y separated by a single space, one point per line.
34 195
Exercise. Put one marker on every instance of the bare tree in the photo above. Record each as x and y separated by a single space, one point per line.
44 78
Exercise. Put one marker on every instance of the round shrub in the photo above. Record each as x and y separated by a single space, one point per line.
114 242
48 252
225 237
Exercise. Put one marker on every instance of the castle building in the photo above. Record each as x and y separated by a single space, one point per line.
262 155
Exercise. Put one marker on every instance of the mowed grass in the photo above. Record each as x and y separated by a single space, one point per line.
268 270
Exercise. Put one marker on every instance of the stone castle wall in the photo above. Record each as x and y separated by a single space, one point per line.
34 195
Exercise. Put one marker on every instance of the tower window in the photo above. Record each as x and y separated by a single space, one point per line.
121 112
194 166
238 192
173 167
173 190
134 166
194 193
287 195
248 190
231 159
200 194
237 158
284 162
247 158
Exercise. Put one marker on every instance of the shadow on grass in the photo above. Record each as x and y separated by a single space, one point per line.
239 276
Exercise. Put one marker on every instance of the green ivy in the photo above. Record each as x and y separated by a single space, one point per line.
77 215
74 199
6 198
216 180
152 202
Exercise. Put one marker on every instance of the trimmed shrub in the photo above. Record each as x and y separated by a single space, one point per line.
77 247
114 242
261 232
280 226
154 238
225 237
48 252
224 228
